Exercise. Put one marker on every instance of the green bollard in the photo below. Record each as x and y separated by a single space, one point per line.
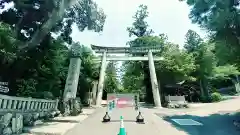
113 104
110 106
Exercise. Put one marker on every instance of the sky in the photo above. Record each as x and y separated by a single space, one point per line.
165 16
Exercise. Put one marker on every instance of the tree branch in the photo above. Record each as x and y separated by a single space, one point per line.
56 15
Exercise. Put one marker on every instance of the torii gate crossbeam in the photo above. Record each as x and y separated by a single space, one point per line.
128 58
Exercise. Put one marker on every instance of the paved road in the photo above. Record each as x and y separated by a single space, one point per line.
152 126
213 122
217 118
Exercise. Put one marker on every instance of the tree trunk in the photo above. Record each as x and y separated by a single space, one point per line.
236 84
56 15
201 88
204 89
237 87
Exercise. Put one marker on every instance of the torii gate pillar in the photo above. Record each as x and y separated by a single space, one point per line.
154 82
101 80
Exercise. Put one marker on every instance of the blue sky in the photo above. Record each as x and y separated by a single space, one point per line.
165 16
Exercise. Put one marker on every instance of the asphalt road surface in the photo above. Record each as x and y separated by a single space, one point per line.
214 123
153 124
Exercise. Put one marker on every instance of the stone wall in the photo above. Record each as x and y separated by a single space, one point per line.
16 112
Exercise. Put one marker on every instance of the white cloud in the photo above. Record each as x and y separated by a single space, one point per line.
165 16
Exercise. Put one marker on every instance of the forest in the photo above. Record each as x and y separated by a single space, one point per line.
36 42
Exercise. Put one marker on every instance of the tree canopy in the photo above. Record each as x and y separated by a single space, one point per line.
34 20
200 62
42 28
43 69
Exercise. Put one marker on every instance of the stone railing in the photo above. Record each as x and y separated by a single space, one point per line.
17 112
176 101
175 98
19 104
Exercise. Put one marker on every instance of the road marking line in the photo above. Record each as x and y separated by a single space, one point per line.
187 122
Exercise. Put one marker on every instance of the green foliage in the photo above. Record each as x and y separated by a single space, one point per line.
216 97
206 59
193 40
224 72
89 71
139 29
209 65
40 17
221 20
7 45
178 64
41 72
140 26
111 83
147 41
227 54
88 15
220 17
26 88
133 77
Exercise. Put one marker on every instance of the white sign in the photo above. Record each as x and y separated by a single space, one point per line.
122 102
3 83
4 89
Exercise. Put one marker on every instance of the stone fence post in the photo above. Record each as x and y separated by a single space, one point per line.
56 104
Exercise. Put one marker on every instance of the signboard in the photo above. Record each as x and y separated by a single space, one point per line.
122 100
3 83
4 87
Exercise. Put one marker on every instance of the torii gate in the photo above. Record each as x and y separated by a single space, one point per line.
75 64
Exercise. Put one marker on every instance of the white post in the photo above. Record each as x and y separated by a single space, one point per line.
94 92
56 104
101 80
154 83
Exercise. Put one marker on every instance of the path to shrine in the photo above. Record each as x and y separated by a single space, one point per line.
210 119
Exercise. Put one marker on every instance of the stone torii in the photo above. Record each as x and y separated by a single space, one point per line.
75 64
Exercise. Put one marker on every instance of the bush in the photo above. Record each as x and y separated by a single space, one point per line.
216 97
205 99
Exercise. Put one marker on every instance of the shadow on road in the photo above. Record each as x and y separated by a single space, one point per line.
64 121
215 124
124 121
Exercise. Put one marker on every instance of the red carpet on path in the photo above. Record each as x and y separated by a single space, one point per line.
124 102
